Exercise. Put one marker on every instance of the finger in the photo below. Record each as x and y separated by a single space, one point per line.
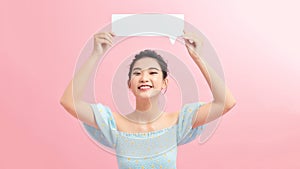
112 34
108 42
189 35
109 35
109 38
100 34
192 44
194 40
189 47
104 41
106 37
188 40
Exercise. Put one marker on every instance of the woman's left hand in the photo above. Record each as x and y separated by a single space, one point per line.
193 44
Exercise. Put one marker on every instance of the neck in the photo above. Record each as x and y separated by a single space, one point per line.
147 110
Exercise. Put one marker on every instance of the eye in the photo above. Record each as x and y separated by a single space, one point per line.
151 73
136 73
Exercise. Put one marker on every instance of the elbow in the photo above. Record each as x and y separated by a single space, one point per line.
66 99
62 102
229 104
68 106
65 102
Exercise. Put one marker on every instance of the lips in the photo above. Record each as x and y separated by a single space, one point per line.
144 87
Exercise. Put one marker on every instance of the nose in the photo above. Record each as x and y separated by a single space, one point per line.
144 77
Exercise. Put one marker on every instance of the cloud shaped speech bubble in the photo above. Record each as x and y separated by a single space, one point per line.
170 25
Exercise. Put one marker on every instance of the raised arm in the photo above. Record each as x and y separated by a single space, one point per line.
72 98
223 99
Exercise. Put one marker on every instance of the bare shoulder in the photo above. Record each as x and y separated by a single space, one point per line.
118 118
122 122
172 117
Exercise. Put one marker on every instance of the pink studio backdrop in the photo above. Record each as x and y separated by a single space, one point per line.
257 43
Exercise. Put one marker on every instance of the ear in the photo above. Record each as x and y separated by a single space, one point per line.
128 83
165 83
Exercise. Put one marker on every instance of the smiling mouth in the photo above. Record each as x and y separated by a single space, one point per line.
145 87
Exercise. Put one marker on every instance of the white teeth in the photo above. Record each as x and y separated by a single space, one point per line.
145 87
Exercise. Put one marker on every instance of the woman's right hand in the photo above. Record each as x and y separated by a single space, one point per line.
102 41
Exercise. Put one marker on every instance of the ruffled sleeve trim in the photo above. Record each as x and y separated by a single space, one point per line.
106 134
185 132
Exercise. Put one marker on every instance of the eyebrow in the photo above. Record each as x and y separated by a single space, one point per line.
137 68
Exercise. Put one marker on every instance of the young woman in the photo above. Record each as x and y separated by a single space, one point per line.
147 137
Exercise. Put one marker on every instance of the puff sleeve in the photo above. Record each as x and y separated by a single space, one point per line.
185 132
106 134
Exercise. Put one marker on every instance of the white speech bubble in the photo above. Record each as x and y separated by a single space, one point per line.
170 25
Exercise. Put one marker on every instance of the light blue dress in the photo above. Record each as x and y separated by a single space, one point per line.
156 149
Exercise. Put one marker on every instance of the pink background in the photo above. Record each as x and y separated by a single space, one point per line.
257 43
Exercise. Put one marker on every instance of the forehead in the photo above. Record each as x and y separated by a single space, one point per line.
146 63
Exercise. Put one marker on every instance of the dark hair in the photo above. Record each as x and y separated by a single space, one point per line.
151 54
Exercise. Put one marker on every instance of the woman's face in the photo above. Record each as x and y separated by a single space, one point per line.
146 78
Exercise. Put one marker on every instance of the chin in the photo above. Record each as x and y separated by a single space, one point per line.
147 95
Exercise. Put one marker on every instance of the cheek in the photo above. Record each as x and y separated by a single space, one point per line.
132 82
158 81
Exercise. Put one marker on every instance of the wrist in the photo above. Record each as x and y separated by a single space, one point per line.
96 55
